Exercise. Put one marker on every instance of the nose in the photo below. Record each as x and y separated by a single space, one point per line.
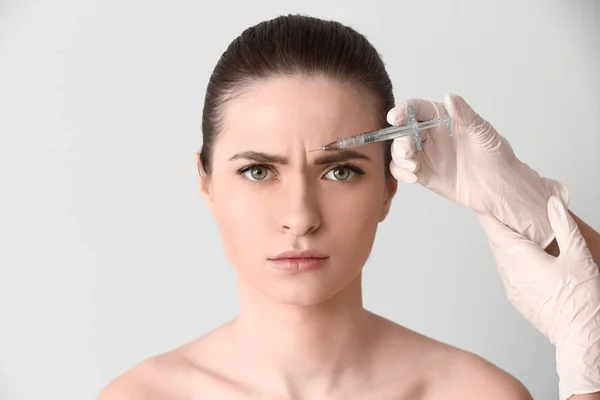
300 210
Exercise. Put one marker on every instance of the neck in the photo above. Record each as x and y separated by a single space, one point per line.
305 346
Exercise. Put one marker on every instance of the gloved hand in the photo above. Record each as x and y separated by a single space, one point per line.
560 296
476 167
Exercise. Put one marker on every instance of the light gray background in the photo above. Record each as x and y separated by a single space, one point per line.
108 254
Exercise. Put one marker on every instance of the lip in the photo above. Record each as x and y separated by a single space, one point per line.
294 261
299 254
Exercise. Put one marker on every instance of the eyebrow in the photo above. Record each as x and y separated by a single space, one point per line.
330 158
260 157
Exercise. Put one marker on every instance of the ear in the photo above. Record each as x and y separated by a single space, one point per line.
203 181
391 186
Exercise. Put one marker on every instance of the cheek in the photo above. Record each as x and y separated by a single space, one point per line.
242 216
354 214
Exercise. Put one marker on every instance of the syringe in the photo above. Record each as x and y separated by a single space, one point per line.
411 128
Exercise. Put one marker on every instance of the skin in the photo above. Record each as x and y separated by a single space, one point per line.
305 335
590 396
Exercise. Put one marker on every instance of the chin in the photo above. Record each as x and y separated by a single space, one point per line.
309 292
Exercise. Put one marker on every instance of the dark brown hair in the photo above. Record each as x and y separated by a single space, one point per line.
292 45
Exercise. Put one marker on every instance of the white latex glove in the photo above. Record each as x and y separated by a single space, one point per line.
476 167
560 296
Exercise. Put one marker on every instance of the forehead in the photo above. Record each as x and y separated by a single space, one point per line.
282 111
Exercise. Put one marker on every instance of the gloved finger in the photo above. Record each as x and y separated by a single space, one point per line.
476 128
569 239
401 174
410 165
403 147
425 110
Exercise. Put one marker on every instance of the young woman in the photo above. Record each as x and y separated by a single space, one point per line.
282 88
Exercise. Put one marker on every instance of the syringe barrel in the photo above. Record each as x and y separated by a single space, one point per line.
352 141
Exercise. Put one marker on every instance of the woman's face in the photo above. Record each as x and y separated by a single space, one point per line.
270 195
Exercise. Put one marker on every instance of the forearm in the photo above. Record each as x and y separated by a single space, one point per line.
590 396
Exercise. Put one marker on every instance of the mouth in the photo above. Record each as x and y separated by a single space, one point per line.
295 261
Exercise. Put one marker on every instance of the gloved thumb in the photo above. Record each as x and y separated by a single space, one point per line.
568 237
476 128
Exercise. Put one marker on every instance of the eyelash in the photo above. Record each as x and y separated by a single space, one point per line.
351 167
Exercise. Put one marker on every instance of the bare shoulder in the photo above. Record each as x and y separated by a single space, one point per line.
189 371
466 376
151 379
130 385
450 373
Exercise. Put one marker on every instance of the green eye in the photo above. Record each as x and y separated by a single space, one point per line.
341 173
257 173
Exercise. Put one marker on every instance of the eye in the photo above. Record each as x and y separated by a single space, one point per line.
343 173
256 172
